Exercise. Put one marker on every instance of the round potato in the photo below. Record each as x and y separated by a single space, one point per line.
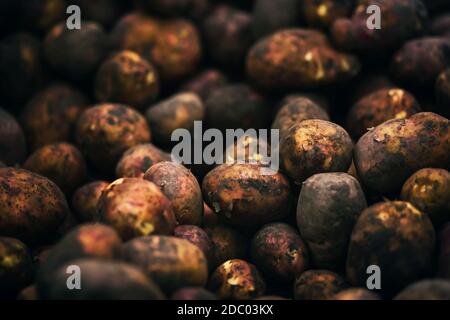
199 237
85 199
318 285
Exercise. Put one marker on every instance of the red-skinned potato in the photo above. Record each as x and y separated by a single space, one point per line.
199 237
85 199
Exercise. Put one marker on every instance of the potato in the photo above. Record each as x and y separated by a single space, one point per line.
442 90
105 131
200 238
237 280
205 82
135 207
443 265
378 107
244 196
137 159
440 25
318 285
173 263
181 188
429 191
355 294
179 111
193 294
396 237
315 146
62 163
428 289
85 199
386 156
13 147
278 251
322 13
16 268
31 206
328 207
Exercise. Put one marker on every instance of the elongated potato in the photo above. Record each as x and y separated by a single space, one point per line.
386 156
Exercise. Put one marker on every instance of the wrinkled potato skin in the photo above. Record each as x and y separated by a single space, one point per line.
328 207
105 131
386 156
323 13
31 206
62 163
85 199
378 107
237 280
443 93
135 207
182 189
242 196
199 237
278 250
15 265
315 146
395 236
429 191
355 294
179 111
51 114
205 83
193 294
295 58
172 262
318 285
138 159
428 289
13 147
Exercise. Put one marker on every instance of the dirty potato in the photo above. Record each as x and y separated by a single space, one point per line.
200 238
428 289
318 285
443 269
13 147
205 82
85 199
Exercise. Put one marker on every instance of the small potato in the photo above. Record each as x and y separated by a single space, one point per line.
355 294
315 146
85 199
318 285
237 280
396 237
243 196
193 294
51 114
179 111
278 251
135 207
105 131
13 147
386 156
443 269
205 82
16 268
182 189
62 163
378 107
173 263
328 207
31 206
428 289
200 238
429 191
442 90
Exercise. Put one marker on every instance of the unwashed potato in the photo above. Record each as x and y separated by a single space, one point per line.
318 285
428 289
31 206
85 199
182 189
199 237
386 156
246 195
136 207
172 262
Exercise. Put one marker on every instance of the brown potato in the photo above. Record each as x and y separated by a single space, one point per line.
85 199
173 263
182 189
355 294
386 156
135 207
200 238
105 131
238 280
13 147
318 285
244 196
193 294
428 289
315 146
31 206
62 163
396 237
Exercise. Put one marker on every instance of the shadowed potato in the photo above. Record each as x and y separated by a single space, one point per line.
200 238
205 82
85 199
193 294
443 93
322 13
428 289
13 146
318 285
355 294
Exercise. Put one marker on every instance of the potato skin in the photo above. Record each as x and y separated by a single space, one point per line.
428 289
355 294
328 207
237 280
386 156
442 90
194 293
200 238
277 250
182 189
179 111
378 107
62 163
429 191
135 207
172 262
318 285
85 199
315 146
13 147
205 82
16 268
31 206
396 237
105 131
243 196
